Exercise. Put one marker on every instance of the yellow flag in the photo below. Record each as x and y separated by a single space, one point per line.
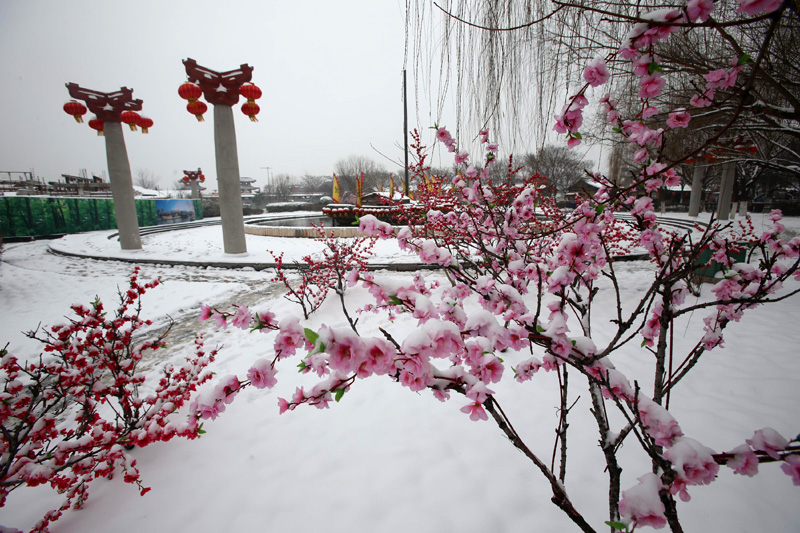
337 193
391 186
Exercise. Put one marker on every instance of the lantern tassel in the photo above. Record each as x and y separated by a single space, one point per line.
100 133
144 130
78 119
200 118
253 118
133 127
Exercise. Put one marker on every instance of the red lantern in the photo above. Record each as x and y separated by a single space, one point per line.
190 91
145 123
201 177
197 108
185 179
131 118
97 124
251 110
76 109
251 92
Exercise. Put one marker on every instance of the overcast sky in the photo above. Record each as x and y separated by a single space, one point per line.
330 72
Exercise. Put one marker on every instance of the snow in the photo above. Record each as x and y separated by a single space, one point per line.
385 459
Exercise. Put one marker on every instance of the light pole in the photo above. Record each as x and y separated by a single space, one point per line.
112 109
269 180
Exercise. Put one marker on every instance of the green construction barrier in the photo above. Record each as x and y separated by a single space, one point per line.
34 216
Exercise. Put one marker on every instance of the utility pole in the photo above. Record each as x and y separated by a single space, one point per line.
405 131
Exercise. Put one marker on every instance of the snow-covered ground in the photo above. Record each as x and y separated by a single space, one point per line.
385 459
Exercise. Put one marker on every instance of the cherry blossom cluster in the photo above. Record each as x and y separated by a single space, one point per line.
319 275
69 416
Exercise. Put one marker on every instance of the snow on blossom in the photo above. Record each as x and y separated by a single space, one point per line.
755 7
525 370
769 441
658 422
679 119
461 157
744 461
693 461
372 226
262 374
642 504
596 73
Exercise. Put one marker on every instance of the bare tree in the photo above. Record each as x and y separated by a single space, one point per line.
281 187
347 170
559 164
147 179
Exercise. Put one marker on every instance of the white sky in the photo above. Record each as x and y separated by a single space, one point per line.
331 74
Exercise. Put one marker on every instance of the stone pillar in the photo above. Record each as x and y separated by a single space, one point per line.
228 184
195 189
696 197
726 190
119 172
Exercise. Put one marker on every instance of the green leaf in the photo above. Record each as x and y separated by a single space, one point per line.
600 208
744 60
653 67
539 328
577 135
616 129
311 336
619 526
337 394
394 300
302 366
200 430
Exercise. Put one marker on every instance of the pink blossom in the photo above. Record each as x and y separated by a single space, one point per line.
649 111
475 411
205 313
704 100
596 73
573 142
443 135
346 352
262 374
492 147
768 440
461 157
791 466
651 85
699 10
642 503
678 119
241 319
221 321
754 7
719 78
